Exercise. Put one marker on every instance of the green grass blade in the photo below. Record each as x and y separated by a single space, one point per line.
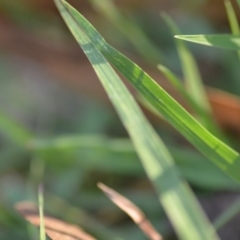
225 41
174 194
238 1
14 131
228 214
194 82
41 213
233 21
104 150
100 142
129 29
232 18
223 156
192 76
176 82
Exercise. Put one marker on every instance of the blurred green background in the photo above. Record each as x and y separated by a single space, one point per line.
58 127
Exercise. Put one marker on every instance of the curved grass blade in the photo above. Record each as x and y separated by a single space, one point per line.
174 194
69 213
232 18
225 41
129 29
134 212
219 153
233 21
54 228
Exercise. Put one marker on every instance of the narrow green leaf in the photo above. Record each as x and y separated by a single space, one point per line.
129 29
238 1
14 131
81 141
41 213
174 194
176 82
104 150
223 156
194 82
192 76
225 41
227 215
232 18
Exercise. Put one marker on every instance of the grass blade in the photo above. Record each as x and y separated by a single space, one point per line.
225 41
55 228
233 21
227 215
125 159
219 153
41 213
238 1
64 210
174 194
194 83
232 18
192 77
15 132
129 29
176 82
100 142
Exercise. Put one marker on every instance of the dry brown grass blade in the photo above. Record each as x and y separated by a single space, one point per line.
55 229
133 211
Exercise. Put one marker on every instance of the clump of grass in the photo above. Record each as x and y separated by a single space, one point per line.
163 166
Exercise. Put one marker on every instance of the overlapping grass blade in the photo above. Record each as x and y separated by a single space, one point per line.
55 229
225 41
223 156
174 194
125 160
194 83
78 216
176 82
233 21
192 76
231 212
129 29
